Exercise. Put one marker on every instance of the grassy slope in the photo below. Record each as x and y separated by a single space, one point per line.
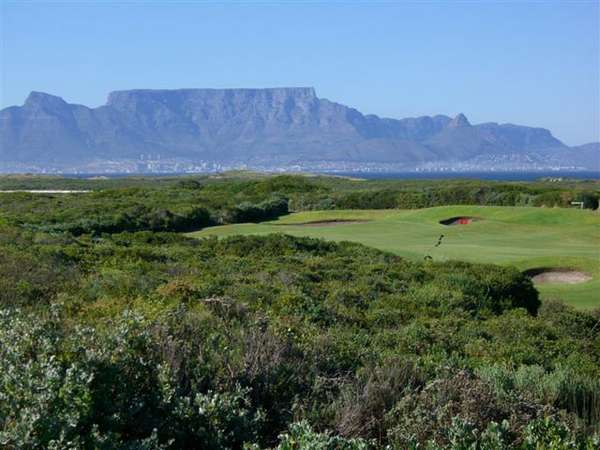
524 237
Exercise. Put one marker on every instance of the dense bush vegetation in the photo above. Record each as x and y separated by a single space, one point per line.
150 340
183 204
135 209
118 333
439 195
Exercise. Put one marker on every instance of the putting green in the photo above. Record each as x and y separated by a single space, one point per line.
524 237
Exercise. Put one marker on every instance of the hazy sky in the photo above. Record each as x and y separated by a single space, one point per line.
533 63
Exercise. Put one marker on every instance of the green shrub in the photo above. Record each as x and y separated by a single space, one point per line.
301 436
169 342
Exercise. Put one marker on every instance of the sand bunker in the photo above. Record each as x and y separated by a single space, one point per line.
543 275
459 220
325 223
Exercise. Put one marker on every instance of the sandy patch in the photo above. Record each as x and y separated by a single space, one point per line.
324 223
459 220
550 275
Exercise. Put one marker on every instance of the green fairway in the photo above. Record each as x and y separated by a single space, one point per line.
524 237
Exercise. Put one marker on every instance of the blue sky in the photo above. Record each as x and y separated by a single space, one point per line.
531 63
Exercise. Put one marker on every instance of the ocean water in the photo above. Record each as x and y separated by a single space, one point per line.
499 176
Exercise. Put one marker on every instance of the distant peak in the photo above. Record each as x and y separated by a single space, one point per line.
459 121
36 98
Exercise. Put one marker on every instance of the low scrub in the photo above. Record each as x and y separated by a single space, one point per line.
153 340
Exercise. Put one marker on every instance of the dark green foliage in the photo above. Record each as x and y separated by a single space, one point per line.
589 199
116 333
489 287
191 203
215 343
447 194
182 205
251 212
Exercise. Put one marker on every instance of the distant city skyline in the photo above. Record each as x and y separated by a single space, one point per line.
533 63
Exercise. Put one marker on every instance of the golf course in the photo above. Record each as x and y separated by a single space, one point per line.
556 240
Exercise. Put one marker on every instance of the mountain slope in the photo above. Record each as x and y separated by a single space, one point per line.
276 127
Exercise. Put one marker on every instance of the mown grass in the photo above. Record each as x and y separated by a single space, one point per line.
524 237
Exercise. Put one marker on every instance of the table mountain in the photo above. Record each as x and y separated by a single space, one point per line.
273 127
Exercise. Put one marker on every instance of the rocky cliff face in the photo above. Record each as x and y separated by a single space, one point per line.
278 125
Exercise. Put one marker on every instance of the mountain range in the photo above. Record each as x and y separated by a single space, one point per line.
266 128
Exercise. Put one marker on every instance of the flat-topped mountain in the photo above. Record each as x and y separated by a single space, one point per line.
276 127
